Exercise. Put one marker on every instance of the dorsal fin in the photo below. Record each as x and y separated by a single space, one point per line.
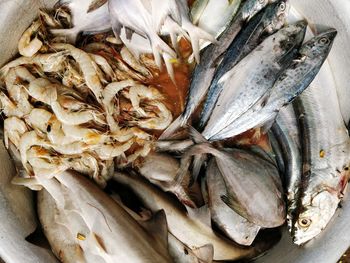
205 253
201 214
157 226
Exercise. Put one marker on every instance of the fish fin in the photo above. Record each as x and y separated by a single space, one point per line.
196 34
205 253
128 33
157 226
169 67
172 128
230 201
201 214
71 34
268 124
197 163
159 47
196 136
95 4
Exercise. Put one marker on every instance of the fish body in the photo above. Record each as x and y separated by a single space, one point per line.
189 230
291 83
326 157
232 224
210 59
286 131
253 186
266 22
83 224
241 90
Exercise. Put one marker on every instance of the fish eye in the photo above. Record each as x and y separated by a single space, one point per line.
304 222
323 41
282 6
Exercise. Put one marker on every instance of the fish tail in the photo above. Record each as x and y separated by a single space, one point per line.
159 47
70 34
196 34
172 128
169 67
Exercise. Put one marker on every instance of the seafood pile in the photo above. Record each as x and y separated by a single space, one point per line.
259 143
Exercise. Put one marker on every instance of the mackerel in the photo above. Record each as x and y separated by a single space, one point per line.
241 90
210 59
265 23
291 83
326 157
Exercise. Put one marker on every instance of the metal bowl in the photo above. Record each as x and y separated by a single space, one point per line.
17 214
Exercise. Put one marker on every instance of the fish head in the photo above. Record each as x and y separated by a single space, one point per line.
251 7
319 45
288 40
276 16
314 216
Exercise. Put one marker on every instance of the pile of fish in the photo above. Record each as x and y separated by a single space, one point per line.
199 192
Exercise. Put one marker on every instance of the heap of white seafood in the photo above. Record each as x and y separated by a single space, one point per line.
62 106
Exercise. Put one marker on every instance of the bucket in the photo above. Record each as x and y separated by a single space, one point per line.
17 210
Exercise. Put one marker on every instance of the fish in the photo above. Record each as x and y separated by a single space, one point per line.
18 218
195 230
325 155
161 169
211 57
291 83
179 252
287 134
253 186
265 23
83 224
87 16
264 64
232 224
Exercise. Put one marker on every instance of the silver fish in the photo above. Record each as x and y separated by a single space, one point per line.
179 252
83 224
85 18
253 187
190 230
286 130
266 22
210 57
232 224
292 82
241 90
326 157
18 218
